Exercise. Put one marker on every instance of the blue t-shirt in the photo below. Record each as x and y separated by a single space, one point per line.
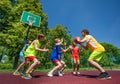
56 53
59 52
21 53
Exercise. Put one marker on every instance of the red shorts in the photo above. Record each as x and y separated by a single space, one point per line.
76 57
31 58
54 62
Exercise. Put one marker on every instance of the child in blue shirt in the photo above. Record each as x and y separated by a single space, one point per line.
56 58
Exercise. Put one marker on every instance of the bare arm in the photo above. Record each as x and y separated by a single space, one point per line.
82 41
84 46
65 50
24 48
38 49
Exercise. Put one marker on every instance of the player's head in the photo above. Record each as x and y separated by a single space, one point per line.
29 41
85 32
57 40
41 37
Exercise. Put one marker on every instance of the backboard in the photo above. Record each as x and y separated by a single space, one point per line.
30 19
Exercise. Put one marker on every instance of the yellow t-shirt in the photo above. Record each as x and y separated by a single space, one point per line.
30 51
93 44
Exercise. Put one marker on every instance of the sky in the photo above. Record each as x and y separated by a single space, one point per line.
100 17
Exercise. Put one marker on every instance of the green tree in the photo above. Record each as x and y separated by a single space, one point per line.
112 53
5 8
13 32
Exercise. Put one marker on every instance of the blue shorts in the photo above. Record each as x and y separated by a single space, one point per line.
22 59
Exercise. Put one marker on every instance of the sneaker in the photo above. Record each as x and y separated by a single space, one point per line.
108 77
59 74
62 72
74 73
25 76
78 73
22 75
50 74
16 73
29 75
104 75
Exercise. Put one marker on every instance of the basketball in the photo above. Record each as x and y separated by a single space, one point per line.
77 39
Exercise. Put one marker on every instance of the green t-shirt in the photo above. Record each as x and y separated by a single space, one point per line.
30 51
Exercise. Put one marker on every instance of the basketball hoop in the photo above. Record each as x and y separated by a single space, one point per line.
31 20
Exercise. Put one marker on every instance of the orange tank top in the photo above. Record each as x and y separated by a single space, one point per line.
75 51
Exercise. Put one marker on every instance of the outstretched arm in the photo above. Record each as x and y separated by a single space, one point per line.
65 50
38 49
81 43
83 46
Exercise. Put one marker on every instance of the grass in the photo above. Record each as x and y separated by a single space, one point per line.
6 70
67 69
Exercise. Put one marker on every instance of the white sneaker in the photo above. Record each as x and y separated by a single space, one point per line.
78 73
60 73
50 74
74 73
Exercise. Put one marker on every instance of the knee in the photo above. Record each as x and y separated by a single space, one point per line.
75 63
78 63
38 62
65 65
59 65
89 60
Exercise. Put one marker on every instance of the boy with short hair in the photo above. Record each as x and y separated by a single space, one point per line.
56 58
18 71
96 55
31 53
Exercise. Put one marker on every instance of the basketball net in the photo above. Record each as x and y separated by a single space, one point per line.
31 22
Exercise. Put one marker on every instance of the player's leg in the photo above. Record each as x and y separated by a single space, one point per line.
16 71
34 68
35 63
22 60
74 66
25 66
78 65
57 66
60 71
93 60
94 57
63 66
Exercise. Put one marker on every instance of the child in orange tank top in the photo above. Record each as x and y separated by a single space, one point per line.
76 59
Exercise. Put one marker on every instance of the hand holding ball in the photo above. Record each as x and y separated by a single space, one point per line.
77 40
